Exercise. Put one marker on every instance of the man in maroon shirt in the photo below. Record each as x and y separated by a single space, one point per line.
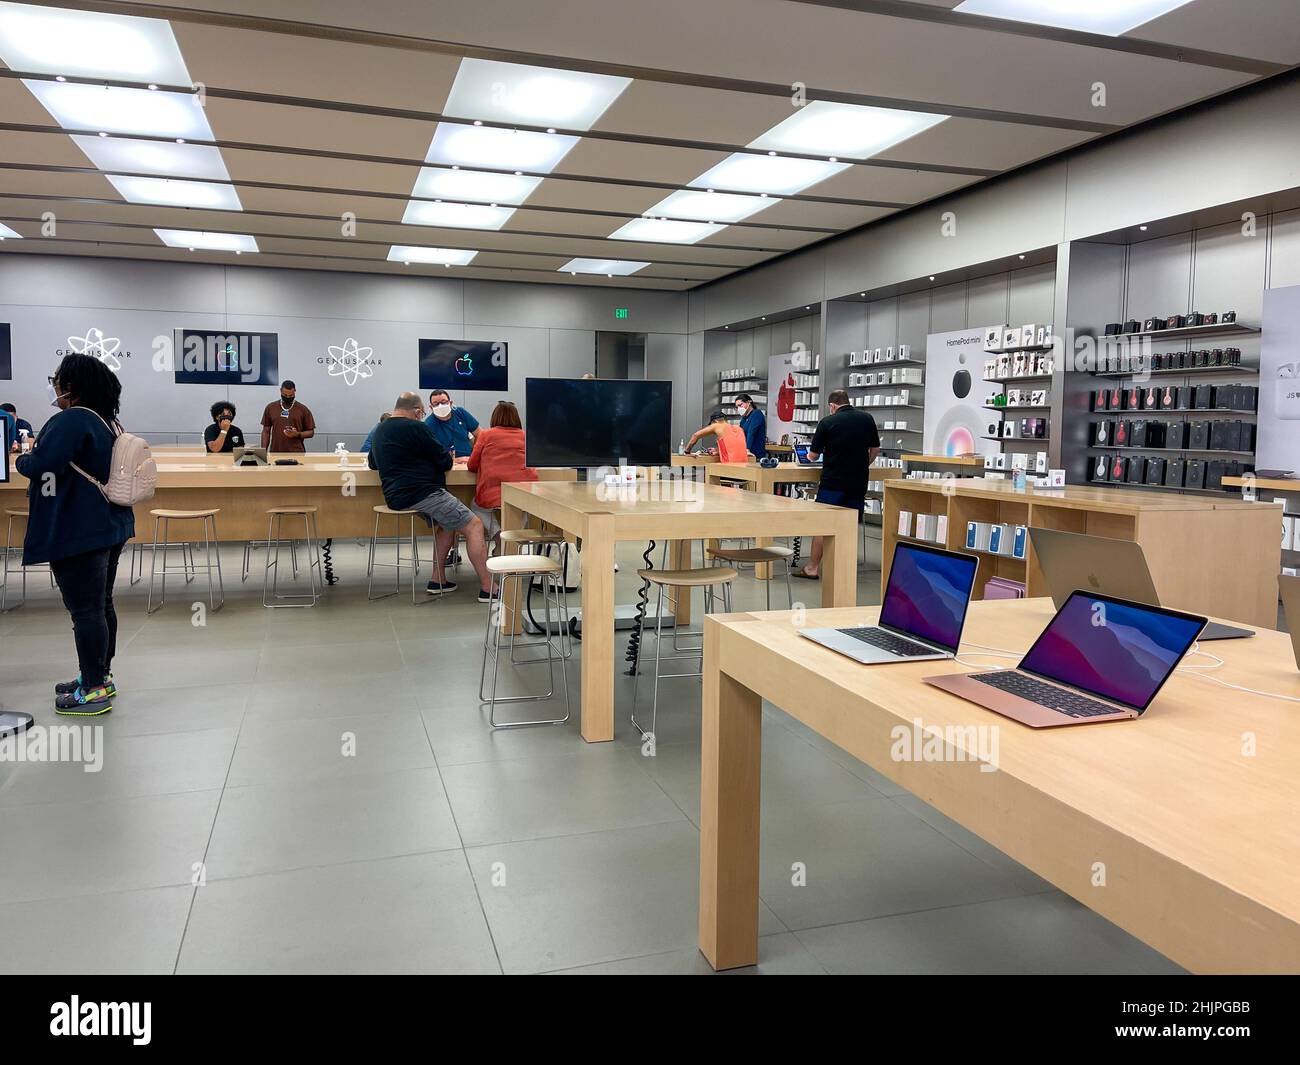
287 424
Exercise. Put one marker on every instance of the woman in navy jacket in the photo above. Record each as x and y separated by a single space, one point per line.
74 528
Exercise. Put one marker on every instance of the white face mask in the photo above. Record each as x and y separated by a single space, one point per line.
54 395
442 411
740 410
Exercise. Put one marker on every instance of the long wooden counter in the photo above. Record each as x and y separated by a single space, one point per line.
1209 555
345 496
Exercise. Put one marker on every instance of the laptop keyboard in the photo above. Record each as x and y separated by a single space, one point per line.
887 641
1048 695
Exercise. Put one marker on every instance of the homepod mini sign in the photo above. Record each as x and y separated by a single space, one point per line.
955 416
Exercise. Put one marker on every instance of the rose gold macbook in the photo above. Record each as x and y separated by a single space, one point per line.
1099 659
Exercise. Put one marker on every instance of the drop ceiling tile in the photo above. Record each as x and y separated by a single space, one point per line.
292 201
319 129
595 195
275 63
885 185
44 149
316 172
633 161
829 216
575 222
687 112
984 145
53 183
18 105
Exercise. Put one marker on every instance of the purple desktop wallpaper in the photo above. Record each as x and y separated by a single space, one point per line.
928 594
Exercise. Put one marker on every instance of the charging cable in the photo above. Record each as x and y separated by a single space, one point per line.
984 651
1204 671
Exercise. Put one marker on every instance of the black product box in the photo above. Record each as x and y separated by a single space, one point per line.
1210 318
1217 358
1198 435
1118 467
1216 470
1099 468
1225 435
1228 317
1151 397
1123 433
1168 397
1186 397
1113 329
1196 318
1133 399
1116 401
1176 435
1203 399
1137 468
1152 324
1138 433
1157 433
1174 473
1132 326
1101 434
1097 400
1176 321
1195 474
1155 471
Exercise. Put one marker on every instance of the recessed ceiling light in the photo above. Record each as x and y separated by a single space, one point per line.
89 44
203 194
932 277
476 185
609 267
1022 256
1111 17
137 112
825 128
6 232
404 253
498 149
743 172
201 161
60 78
459 215
665 231
532 96
709 206
1143 228
190 238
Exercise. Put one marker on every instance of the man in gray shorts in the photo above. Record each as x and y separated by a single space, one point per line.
413 467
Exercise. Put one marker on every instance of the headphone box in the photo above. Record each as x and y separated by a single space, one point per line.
1099 468
1198 435
1136 469
1174 473
1176 435
1194 476
1155 471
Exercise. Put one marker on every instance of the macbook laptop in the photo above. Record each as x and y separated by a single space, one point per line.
1290 590
922 614
1099 659
801 456
250 456
1101 564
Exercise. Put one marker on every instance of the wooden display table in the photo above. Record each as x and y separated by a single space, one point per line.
1207 555
1198 841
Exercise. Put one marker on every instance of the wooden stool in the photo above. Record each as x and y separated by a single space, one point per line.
757 556
413 560
271 595
518 567
208 518
709 578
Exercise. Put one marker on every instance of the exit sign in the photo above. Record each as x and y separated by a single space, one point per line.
620 312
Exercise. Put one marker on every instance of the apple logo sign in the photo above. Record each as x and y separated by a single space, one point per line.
464 365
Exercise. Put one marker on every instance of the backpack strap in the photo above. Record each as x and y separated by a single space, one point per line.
95 480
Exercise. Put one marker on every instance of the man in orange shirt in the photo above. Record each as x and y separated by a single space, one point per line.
731 438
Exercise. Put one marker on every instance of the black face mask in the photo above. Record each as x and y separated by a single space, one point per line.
288 402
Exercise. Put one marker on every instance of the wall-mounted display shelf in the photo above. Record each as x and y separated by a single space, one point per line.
1183 370
1018 439
1217 329
1169 450
1017 407
1014 379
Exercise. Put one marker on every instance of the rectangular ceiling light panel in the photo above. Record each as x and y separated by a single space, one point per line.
608 267
135 112
402 253
774 175
709 206
665 231
1109 17
821 127
90 44
201 194
191 238
124 155
477 186
458 215
531 96
497 149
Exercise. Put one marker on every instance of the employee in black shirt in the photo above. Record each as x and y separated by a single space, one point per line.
847 442
223 435
413 467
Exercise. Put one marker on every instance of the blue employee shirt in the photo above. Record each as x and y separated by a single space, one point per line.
755 425
453 434
370 439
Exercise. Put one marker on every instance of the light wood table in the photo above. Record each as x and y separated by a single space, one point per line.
1206 554
673 511
1198 839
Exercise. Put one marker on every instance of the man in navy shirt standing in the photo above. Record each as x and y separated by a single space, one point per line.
754 423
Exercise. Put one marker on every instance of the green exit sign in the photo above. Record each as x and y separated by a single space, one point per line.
620 312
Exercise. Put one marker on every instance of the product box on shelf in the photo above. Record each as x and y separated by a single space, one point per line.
904 523
1174 470
941 529
977 535
993 336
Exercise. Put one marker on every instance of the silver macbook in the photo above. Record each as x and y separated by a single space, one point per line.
923 612
1077 562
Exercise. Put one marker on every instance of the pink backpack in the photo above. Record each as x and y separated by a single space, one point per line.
132 474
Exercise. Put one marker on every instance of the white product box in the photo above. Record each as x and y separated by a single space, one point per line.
1000 539
990 462
924 526
993 337
1056 478
889 353
1010 338
941 529
888 425
995 477
904 351
904 523
990 369
1020 461
1289 571
1027 333
1295 541
1040 462
1288 532
1000 462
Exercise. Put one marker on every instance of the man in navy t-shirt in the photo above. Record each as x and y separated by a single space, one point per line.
453 426
754 422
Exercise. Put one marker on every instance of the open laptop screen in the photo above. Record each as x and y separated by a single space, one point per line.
1118 650
928 593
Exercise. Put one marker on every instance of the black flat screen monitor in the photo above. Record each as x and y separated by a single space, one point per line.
225 358
598 423
475 365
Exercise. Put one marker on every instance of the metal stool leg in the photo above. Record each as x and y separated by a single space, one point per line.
153 567
212 547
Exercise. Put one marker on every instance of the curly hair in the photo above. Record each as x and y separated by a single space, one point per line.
221 405
91 384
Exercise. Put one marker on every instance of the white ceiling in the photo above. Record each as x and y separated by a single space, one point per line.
329 107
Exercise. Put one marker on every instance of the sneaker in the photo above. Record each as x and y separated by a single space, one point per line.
67 687
82 703
434 588
485 597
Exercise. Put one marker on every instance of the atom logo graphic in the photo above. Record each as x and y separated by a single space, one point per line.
351 362
98 346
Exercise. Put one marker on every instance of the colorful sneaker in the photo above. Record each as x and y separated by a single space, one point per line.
67 687
84 703
434 588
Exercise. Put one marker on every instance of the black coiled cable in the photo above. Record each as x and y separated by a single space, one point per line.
642 602
327 561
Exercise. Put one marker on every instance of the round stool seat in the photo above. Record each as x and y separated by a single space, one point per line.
751 554
17 513
530 536
293 510
177 515
513 564
383 509
689 578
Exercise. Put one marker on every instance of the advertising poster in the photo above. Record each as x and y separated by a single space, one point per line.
955 418
780 398
1278 445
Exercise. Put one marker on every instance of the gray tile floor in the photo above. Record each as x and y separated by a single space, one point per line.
318 791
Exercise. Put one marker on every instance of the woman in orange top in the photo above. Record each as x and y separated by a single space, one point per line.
497 458
731 438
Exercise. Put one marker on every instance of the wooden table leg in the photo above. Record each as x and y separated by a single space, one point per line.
730 759
679 557
598 629
511 518
839 569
